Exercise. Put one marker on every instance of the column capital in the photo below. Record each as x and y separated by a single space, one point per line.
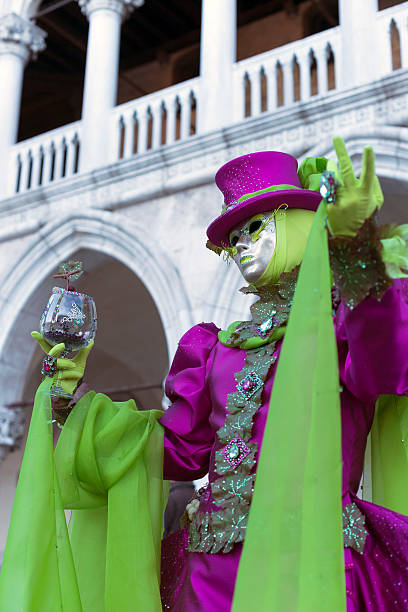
20 36
122 7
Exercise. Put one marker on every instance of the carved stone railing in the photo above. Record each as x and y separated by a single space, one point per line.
291 74
286 77
12 427
392 39
45 159
159 119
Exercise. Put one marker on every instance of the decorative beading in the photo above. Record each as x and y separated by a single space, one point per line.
354 530
22 35
236 451
49 366
123 7
250 385
357 266
229 496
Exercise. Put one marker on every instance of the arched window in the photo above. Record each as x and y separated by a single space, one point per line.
296 79
247 95
264 90
395 46
279 85
313 74
331 68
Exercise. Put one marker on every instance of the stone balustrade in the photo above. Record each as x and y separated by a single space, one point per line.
293 73
45 159
162 118
288 76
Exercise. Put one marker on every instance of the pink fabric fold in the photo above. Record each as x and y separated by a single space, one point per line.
373 359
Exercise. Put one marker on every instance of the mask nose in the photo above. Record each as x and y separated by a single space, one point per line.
243 243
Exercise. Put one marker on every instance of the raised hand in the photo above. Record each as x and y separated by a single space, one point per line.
69 371
356 199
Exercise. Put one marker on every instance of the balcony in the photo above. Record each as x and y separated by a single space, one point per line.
298 91
130 190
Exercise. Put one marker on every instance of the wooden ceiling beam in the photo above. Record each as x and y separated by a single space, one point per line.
192 8
173 14
327 14
59 61
138 18
129 32
63 32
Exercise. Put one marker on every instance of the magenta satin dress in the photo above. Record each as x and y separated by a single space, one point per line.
373 359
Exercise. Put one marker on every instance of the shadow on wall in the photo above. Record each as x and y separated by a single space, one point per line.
395 208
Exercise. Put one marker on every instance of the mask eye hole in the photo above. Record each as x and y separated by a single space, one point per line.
234 240
254 226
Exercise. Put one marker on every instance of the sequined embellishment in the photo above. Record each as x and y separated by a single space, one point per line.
328 187
228 207
250 385
222 517
357 265
236 451
265 328
354 531
49 366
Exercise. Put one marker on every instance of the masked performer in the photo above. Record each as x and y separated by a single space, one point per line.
281 529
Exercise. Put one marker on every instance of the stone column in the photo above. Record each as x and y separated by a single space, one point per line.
20 40
101 75
359 45
217 58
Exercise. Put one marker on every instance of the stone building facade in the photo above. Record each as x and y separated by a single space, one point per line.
129 188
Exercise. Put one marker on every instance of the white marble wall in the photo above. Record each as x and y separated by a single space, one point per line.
150 212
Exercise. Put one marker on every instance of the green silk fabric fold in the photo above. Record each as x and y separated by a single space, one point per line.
38 571
293 552
389 453
108 470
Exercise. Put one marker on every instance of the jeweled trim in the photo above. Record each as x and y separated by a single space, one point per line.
231 493
235 452
354 530
357 265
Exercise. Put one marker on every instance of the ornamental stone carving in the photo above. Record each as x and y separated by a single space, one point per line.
123 7
20 36
12 425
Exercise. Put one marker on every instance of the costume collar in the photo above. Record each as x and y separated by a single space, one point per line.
269 314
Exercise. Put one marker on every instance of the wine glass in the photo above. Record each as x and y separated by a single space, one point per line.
69 317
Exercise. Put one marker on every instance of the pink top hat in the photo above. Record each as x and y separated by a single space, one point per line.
256 183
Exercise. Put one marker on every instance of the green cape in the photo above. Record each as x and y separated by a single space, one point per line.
108 470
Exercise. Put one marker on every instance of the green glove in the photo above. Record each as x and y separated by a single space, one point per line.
356 199
69 371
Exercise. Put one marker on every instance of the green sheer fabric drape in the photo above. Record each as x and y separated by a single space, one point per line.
108 470
293 553
389 458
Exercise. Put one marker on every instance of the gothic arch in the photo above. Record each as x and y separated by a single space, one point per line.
101 231
390 144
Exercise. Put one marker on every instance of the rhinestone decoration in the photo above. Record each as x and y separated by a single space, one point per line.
229 206
49 366
222 519
354 531
266 327
250 385
236 451
328 186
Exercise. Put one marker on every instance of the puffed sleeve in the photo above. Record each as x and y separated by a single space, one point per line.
188 436
373 345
